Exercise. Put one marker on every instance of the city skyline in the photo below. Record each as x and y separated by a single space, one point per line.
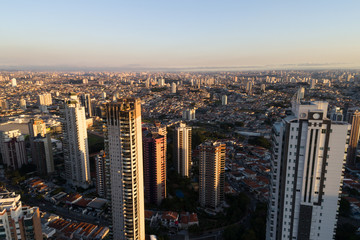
207 35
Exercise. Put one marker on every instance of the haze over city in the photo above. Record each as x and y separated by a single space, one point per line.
179 35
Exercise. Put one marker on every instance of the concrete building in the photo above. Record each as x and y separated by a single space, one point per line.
17 221
307 167
41 147
263 87
173 88
100 168
45 99
189 114
154 167
12 146
212 174
76 153
13 82
354 120
123 145
4 105
85 100
249 86
224 100
336 114
182 149
22 104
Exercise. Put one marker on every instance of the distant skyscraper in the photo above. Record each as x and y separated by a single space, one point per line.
189 114
18 221
249 85
76 153
312 83
211 174
13 82
124 154
45 99
354 138
23 104
262 87
85 100
41 147
147 83
182 150
224 100
4 105
12 146
307 172
301 93
154 167
173 88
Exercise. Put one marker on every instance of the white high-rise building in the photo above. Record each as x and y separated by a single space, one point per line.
76 153
18 221
308 157
124 157
44 99
13 82
224 100
182 149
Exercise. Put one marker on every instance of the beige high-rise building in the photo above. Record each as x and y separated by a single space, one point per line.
123 145
76 153
182 149
212 174
44 99
354 137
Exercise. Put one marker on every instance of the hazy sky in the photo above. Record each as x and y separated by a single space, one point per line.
179 33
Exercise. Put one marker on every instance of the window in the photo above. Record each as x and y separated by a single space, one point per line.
323 130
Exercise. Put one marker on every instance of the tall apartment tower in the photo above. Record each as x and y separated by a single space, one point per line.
307 166
123 145
354 137
76 153
224 100
41 147
85 100
182 149
154 167
12 146
44 99
17 221
212 174
100 174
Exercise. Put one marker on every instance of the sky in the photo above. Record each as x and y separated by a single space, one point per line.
180 34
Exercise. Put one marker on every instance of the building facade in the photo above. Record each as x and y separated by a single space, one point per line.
85 100
182 149
354 120
307 165
76 153
100 167
154 167
13 151
45 99
17 221
125 156
212 174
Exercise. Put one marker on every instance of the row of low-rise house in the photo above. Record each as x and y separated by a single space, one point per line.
55 227
171 219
